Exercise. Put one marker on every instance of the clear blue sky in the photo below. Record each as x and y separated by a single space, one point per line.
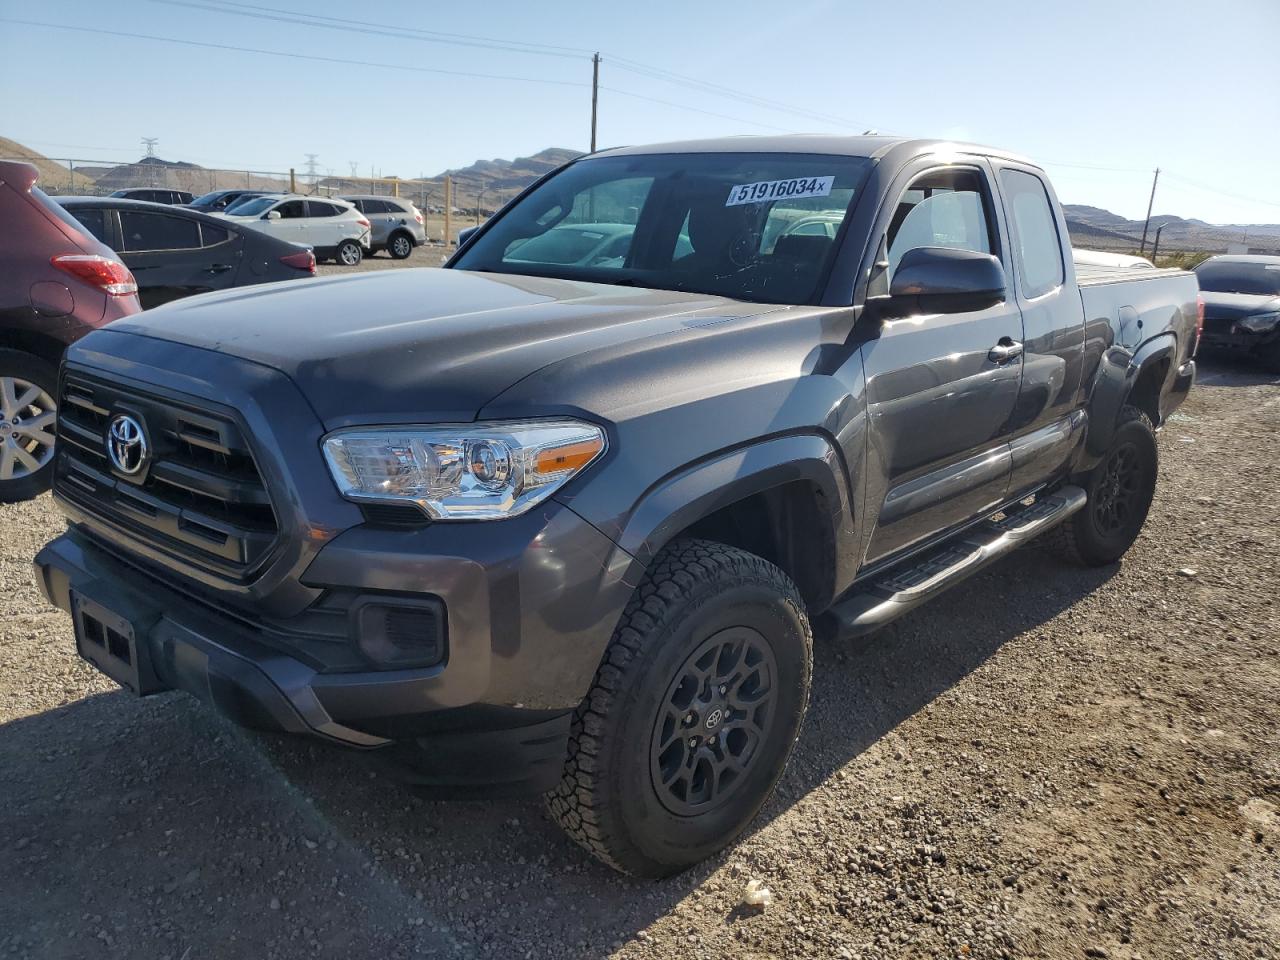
1187 85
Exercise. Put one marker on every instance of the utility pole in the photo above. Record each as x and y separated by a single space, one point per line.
311 168
595 97
479 200
448 211
150 144
1150 203
1155 246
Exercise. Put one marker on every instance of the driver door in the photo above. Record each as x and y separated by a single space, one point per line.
941 394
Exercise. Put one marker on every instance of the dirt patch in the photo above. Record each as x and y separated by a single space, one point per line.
1050 762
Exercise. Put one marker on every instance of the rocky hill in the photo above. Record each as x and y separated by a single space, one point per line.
1104 230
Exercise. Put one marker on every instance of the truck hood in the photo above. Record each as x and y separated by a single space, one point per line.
1232 306
423 344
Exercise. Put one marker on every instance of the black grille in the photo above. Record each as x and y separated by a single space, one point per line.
200 496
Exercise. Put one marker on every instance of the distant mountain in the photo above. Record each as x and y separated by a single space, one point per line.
490 183
485 183
1102 229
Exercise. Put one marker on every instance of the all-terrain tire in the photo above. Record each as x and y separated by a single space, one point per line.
1120 490
22 371
651 811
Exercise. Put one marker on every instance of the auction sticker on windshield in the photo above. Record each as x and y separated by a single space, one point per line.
791 189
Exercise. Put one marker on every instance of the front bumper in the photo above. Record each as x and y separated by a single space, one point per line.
527 626
1229 335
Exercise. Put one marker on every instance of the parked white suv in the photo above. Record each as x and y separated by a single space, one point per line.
333 228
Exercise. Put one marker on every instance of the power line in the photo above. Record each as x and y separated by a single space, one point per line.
292 56
1222 193
715 89
684 106
396 31
430 36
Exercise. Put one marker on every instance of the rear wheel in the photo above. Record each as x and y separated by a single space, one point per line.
400 246
27 388
1120 490
693 713
349 253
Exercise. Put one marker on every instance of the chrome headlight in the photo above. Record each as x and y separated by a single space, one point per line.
1259 322
473 471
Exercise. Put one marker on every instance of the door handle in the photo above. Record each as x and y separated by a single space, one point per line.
220 268
1007 349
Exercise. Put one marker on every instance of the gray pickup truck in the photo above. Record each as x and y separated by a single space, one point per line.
562 516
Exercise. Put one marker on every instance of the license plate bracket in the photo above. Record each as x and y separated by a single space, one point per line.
115 644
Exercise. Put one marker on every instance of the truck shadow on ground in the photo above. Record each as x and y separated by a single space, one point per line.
153 828
1233 370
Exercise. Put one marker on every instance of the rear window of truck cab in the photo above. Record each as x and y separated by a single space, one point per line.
751 226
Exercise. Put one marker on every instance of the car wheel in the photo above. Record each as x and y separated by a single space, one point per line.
27 411
693 712
1120 490
401 246
349 253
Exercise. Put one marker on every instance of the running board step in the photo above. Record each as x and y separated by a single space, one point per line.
905 587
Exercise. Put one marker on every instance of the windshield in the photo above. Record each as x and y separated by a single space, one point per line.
751 226
208 199
252 207
1227 276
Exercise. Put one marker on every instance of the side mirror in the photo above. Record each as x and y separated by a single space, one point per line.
465 235
271 215
945 280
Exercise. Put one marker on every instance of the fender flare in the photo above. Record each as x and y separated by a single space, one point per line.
1118 373
698 490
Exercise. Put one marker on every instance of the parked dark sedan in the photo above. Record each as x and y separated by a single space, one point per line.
1242 305
217 200
153 195
57 284
175 252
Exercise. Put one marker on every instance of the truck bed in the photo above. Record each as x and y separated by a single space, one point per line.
1091 275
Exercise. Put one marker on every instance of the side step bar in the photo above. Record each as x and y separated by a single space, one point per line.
904 588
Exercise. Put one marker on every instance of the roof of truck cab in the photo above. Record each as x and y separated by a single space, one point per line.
872 145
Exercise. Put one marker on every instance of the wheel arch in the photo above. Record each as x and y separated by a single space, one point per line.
784 499
1140 379
47 348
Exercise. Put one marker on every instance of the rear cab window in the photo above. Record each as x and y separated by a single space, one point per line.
1037 248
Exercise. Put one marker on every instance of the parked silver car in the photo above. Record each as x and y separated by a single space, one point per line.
398 226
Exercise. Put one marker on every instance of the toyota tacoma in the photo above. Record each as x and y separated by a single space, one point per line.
562 516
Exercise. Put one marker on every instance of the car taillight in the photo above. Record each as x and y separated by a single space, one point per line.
109 276
302 260
1199 322
417 214
362 221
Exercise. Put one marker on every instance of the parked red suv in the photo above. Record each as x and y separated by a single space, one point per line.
57 282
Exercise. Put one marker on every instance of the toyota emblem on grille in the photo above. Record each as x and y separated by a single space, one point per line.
126 444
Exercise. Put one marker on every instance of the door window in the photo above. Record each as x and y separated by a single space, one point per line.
1037 248
212 236
319 209
94 221
942 208
156 231
292 210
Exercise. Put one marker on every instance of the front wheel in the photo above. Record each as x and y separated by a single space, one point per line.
349 253
27 412
693 712
1120 490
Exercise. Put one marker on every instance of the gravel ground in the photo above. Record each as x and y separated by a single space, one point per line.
1048 762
